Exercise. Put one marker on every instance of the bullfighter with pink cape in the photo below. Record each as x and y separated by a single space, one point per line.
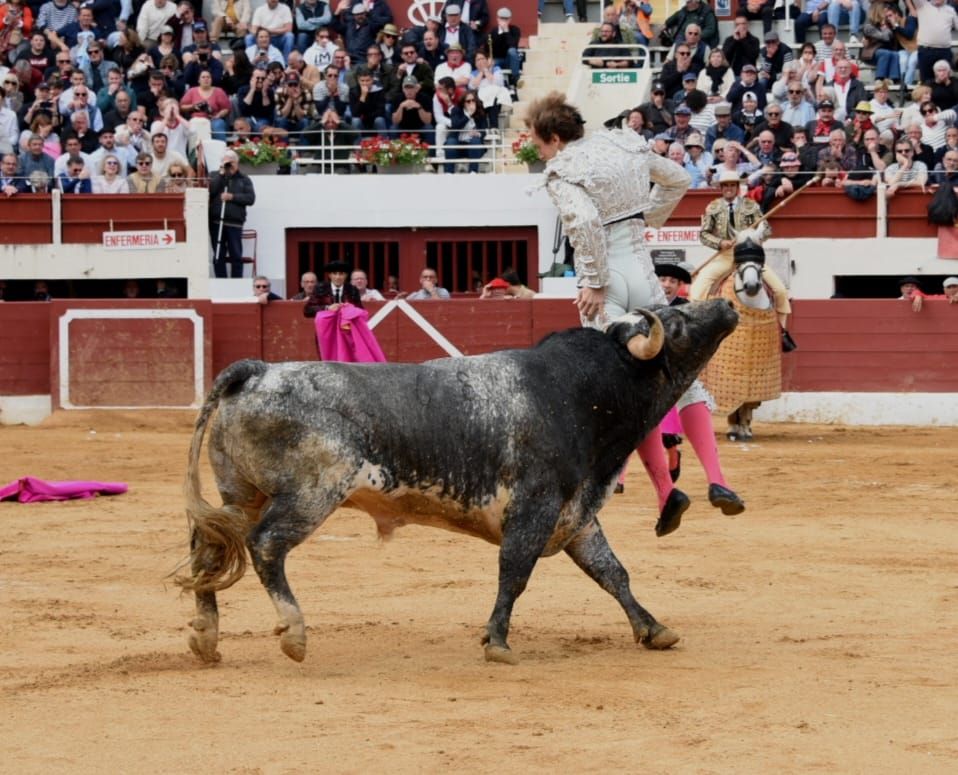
344 335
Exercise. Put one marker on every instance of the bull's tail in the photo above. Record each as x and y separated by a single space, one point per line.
218 535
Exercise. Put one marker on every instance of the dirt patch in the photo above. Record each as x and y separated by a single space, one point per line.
818 628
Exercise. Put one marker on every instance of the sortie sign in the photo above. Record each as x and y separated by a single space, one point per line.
615 76
148 239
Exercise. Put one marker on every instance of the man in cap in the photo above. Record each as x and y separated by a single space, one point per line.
951 294
747 83
231 192
455 32
682 128
819 130
474 14
276 18
658 111
741 47
413 112
772 59
723 127
311 15
353 24
723 224
455 66
505 44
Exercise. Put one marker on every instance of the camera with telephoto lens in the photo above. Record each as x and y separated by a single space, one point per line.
203 107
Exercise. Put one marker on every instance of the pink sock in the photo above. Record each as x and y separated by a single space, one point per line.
652 454
697 422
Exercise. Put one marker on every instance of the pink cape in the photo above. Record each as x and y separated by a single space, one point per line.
357 345
31 490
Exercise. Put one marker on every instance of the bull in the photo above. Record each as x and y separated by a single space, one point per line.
518 447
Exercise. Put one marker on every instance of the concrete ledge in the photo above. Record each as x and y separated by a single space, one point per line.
939 409
25 410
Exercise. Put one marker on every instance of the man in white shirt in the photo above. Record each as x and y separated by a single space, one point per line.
455 66
936 20
320 54
276 18
428 287
72 147
154 15
163 157
360 282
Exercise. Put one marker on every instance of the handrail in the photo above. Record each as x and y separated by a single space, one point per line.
639 55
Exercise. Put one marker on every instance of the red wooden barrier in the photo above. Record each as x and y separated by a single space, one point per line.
85 218
24 348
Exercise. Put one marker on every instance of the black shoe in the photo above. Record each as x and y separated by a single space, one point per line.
676 472
619 488
723 498
671 517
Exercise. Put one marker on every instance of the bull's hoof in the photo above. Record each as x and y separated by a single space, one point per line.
203 644
500 654
671 517
292 640
659 638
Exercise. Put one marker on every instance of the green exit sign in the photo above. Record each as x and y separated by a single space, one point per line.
615 76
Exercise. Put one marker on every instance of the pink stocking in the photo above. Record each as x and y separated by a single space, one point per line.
652 454
625 467
697 422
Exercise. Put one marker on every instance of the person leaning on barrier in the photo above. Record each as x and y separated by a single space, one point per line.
10 184
231 192
307 284
604 55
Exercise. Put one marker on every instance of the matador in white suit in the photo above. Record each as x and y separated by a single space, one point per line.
602 186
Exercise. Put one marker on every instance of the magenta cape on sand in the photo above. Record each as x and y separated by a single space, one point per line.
355 345
31 490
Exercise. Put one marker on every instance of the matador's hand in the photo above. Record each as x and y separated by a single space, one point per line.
590 301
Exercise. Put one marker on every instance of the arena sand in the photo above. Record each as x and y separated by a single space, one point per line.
818 629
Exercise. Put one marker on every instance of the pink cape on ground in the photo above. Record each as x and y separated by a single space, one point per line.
31 490
356 345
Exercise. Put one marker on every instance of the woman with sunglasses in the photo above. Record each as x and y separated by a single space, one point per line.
175 181
467 128
110 180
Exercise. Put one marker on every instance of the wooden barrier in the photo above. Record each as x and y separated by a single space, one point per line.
844 344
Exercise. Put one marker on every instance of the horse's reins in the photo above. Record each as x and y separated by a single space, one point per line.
764 218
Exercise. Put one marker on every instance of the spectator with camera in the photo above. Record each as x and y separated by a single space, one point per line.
202 58
262 51
208 101
231 192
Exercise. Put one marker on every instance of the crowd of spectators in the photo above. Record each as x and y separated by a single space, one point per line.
782 118
98 95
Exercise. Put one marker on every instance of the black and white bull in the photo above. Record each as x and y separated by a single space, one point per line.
518 447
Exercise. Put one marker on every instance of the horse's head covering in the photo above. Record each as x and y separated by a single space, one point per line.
749 250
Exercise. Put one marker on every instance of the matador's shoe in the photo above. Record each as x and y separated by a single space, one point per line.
671 517
723 498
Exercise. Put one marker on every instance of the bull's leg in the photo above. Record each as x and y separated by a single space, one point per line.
286 523
523 541
591 552
205 624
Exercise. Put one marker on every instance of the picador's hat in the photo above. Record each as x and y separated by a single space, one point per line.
668 269
749 250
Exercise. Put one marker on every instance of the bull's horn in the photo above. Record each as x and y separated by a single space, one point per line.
644 347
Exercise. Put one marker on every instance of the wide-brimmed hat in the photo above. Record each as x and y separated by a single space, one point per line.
694 140
391 29
910 278
668 269
728 176
338 266
864 107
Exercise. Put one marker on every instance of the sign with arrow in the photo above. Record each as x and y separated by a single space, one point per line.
147 239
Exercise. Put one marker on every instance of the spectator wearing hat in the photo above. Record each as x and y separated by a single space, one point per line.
454 31
772 58
201 42
658 111
472 13
311 15
413 112
909 286
333 292
231 192
747 83
741 47
277 19
674 70
497 288
682 128
388 41
819 130
698 13
951 294
749 116
698 160
861 122
455 66
504 41
723 127
153 17
672 276
203 57
353 24
689 81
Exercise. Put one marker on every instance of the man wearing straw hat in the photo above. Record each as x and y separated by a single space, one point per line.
725 219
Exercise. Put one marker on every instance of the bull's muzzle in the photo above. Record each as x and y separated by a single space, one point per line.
644 347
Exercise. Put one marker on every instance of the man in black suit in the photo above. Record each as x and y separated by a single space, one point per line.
332 293
455 31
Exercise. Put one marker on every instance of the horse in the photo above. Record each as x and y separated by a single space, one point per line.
747 368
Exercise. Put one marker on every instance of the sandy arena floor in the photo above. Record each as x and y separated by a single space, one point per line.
818 629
